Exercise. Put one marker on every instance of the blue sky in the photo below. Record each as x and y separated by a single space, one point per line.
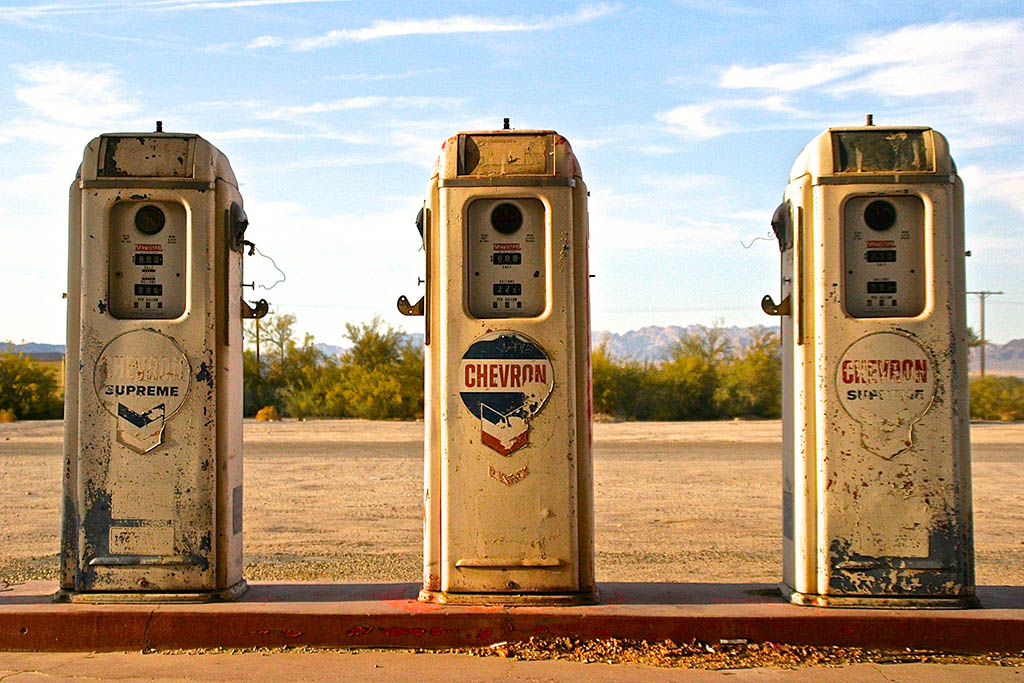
686 117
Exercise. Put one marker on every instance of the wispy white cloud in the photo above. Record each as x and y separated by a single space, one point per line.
354 103
73 94
375 78
386 28
724 7
264 42
973 67
1002 186
708 119
50 9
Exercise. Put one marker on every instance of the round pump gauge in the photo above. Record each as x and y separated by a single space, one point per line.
149 219
880 215
506 218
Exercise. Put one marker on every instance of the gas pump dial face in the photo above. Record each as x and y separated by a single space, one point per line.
506 218
150 219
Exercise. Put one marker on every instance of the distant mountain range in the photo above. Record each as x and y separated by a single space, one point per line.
1002 359
652 344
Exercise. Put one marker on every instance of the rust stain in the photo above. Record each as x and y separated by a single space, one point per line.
509 479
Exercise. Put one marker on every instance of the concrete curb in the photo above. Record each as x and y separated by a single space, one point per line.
388 615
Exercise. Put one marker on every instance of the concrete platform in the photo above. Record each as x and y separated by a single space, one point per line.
388 615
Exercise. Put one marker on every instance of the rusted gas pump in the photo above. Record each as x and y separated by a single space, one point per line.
153 405
876 453
508 469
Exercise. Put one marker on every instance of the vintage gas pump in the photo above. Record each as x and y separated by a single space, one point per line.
876 453
508 469
153 406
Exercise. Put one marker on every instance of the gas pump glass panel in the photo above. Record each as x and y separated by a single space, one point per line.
884 245
873 151
148 242
507 269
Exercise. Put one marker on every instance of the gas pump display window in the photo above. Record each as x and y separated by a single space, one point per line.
882 287
884 254
149 259
144 235
149 290
875 151
507 258
880 256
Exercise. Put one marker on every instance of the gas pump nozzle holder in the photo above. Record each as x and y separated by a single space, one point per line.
508 469
876 454
153 404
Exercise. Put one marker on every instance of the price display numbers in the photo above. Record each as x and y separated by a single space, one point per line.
149 290
880 256
507 258
149 259
887 287
508 289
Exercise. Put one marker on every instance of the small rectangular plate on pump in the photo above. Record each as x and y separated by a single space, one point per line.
146 538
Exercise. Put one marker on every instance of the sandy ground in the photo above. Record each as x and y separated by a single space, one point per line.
340 501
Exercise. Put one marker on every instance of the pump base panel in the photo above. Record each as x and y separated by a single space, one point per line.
879 601
108 598
525 599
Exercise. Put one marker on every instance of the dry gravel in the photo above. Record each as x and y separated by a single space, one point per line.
699 655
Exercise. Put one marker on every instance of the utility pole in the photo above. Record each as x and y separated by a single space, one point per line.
257 342
981 298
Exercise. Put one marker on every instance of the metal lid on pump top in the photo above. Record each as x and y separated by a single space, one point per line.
154 159
507 154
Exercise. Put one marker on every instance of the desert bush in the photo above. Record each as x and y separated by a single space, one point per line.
268 414
382 375
751 382
29 390
997 398
621 389
7 415
705 378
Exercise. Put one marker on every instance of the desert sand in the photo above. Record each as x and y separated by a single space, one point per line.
340 501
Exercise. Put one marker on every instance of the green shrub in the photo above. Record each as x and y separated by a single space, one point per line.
997 398
29 390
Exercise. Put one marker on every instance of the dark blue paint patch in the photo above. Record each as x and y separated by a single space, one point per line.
947 571
507 346
138 419
499 404
204 374
102 307
96 524
69 538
